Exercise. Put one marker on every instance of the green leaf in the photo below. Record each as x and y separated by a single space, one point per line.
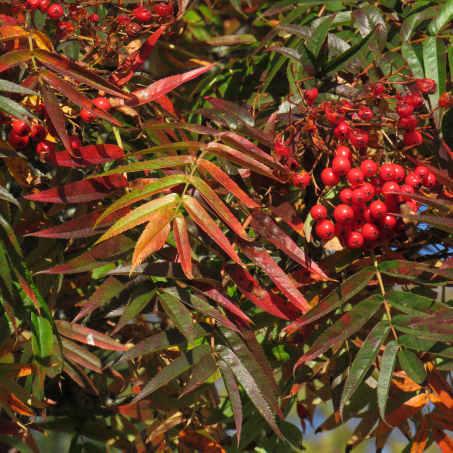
411 303
346 291
317 39
441 19
203 369
412 365
347 325
363 360
13 108
385 375
6 196
134 308
6 85
410 55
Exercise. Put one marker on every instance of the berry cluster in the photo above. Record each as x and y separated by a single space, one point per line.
54 11
365 204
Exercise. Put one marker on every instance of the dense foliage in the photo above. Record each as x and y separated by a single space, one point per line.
224 224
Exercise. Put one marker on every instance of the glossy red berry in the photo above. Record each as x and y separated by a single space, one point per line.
66 27
414 99
359 196
329 177
400 173
389 222
430 180
426 86
408 122
370 232
341 165
413 180
378 89
377 209
37 132
343 213
369 191
355 177
102 103
421 171
446 100
404 110
302 179
346 107
142 14
387 172
318 212
332 116
346 195
409 190
390 186
94 18
342 130
20 127
365 113
281 149
55 11
325 230
163 9
343 151
33 4
75 142
358 138
369 168
45 147
354 240
18 141
311 95
44 5
86 115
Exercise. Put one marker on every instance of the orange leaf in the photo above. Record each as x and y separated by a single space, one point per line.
441 388
445 443
183 245
18 406
421 437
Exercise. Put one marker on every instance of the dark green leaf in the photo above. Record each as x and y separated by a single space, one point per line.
385 375
412 365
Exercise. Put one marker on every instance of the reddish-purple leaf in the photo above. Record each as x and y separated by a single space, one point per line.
80 191
288 214
13 58
98 256
80 227
62 65
207 224
87 155
222 178
183 247
164 86
78 354
281 280
88 336
270 231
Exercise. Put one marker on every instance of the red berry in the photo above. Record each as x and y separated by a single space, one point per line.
426 86
355 177
281 149
365 113
311 95
94 18
369 191
359 197
86 115
343 213
346 195
408 122
413 138
446 100
55 11
66 27
377 209
38 132
75 142
18 141
378 89
133 29
342 130
318 212
354 240
404 109
142 14
366 215
325 230
408 190
387 172
123 20
389 222
33 4
302 179
414 99
390 186
421 171
413 180
400 173
163 9
102 103
20 127
343 151
358 138
45 147
346 107
430 180
44 5
329 177
412 205
370 232
341 165
369 168
332 116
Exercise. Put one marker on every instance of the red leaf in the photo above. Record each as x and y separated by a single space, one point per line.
183 245
284 283
164 86
207 224
87 155
80 191
166 104
13 58
80 227
443 440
